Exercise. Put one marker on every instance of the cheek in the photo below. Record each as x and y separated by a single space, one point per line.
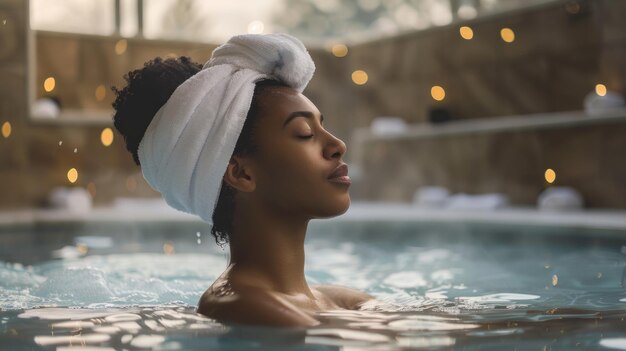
292 175
296 183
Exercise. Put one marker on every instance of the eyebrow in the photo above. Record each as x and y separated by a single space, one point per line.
305 114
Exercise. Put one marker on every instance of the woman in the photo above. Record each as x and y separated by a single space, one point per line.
237 143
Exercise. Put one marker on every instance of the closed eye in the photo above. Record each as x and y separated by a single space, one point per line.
306 136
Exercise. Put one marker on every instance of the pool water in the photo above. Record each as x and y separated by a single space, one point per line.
103 286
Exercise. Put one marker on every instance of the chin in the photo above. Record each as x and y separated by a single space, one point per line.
346 205
337 208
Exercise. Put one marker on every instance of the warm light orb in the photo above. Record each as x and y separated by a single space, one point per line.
101 92
6 129
438 93
359 77
49 84
466 33
106 136
82 249
507 35
600 89
339 50
550 175
121 46
168 248
256 27
72 175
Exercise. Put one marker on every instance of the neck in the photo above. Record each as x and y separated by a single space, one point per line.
270 248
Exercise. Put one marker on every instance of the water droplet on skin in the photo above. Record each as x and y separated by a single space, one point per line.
75 150
60 142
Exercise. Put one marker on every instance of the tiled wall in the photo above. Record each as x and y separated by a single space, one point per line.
556 59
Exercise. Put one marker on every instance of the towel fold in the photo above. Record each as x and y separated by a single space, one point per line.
189 142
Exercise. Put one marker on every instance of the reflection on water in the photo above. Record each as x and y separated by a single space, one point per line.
432 293
180 328
141 328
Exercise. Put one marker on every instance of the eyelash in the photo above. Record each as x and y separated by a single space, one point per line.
306 136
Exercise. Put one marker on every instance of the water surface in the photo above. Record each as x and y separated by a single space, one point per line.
102 287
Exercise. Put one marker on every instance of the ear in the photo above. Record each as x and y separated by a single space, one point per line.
239 174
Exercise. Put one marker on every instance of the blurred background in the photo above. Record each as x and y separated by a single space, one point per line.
442 103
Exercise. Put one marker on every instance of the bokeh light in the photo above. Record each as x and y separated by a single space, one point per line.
121 46
82 249
49 84
72 175
550 175
466 33
438 93
339 50
507 35
600 89
168 248
256 27
359 77
106 136
101 92
6 129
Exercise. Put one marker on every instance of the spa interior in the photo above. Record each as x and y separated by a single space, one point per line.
443 104
486 144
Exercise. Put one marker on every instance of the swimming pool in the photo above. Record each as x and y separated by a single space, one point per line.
460 285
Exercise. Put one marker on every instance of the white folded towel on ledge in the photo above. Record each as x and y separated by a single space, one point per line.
188 144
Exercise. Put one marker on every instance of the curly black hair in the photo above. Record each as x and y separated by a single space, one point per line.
148 89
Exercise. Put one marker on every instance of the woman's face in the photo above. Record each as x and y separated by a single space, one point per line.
295 157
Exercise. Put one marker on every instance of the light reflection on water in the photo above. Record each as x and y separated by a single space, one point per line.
431 293
180 328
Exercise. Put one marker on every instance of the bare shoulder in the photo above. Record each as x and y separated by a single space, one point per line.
250 305
344 297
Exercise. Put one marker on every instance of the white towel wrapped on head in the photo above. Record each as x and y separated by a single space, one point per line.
189 142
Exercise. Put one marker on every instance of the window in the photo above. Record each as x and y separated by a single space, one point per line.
214 21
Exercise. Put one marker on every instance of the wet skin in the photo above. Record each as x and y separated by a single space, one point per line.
279 190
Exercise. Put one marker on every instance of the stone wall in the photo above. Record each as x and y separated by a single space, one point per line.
585 157
557 57
556 60
559 54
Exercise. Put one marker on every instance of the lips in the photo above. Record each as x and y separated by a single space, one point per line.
340 171
340 174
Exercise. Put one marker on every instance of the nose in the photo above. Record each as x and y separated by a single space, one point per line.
335 147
